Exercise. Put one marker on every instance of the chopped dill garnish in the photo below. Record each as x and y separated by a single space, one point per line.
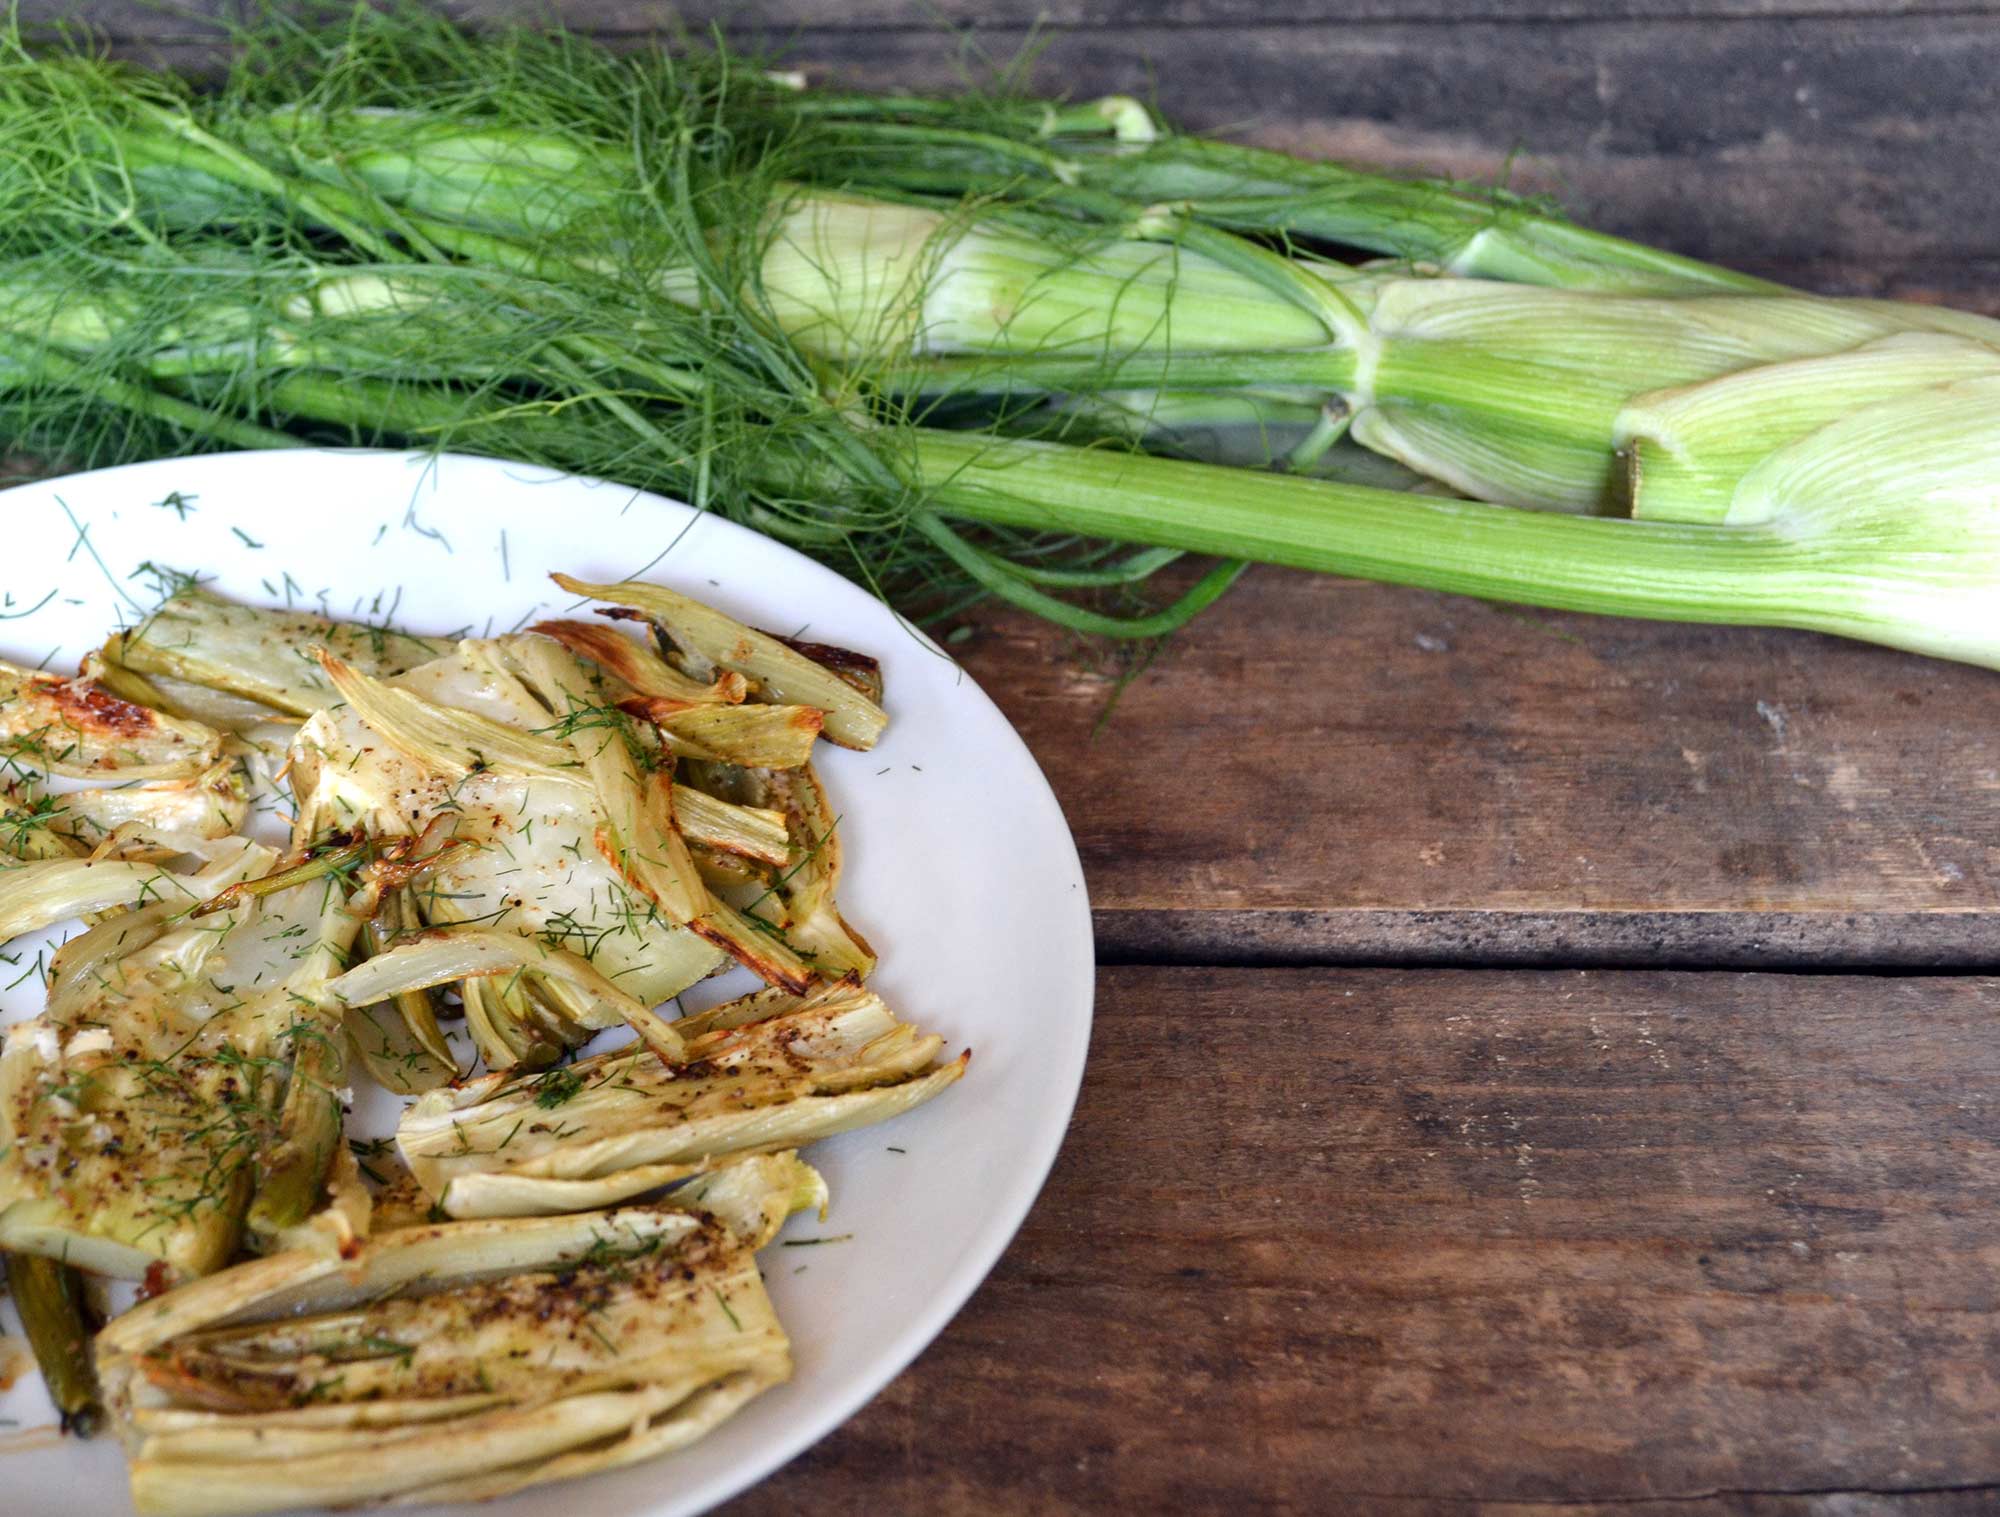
18 820
556 1087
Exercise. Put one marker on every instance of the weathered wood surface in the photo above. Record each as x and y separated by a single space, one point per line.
1138 19
1846 152
1327 770
1377 1241
1380 1240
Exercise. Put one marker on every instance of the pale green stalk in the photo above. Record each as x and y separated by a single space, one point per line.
56 1315
1850 562
1111 148
1690 449
1505 393
1242 429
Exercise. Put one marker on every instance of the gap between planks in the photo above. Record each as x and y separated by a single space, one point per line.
1917 942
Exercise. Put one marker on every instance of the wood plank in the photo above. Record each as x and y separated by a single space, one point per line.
1785 145
1374 1241
1323 770
629 18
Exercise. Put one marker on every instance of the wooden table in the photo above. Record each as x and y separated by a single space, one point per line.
1543 1063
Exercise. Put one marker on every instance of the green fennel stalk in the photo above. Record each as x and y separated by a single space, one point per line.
1804 571
1114 148
389 231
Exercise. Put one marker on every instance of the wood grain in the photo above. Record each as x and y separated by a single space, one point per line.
649 18
1403 1242
1527 1243
1320 769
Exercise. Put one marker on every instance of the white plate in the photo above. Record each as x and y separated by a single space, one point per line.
959 869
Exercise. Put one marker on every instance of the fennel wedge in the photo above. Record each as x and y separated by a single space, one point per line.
456 1361
137 1112
200 638
708 641
451 754
77 727
157 820
771 1070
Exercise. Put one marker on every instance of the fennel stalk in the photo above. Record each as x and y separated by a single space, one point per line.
394 232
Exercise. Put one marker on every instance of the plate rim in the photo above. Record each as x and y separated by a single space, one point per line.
1028 1179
